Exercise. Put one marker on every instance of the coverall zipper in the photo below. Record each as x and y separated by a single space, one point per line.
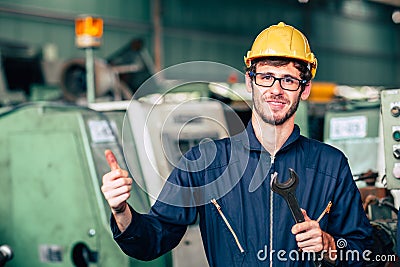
271 214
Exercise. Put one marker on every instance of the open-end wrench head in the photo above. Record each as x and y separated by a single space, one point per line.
288 185
287 190
294 176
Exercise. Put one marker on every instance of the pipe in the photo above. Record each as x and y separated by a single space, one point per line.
157 35
90 76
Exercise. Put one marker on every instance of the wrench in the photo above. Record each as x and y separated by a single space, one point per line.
287 190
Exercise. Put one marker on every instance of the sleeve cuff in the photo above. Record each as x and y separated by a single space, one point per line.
129 232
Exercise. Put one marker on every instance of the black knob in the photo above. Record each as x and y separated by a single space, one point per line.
396 153
395 111
82 255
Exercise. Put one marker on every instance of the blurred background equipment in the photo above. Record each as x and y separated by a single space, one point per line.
115 78
353 123
25 75
73 79
6 254
52 162
19 69
132 65
354 129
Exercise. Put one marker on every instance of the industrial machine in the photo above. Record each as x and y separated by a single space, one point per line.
366 132
355 131
52 209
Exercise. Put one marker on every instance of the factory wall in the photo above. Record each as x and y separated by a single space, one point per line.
356 42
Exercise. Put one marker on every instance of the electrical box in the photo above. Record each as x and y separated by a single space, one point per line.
356 133
391 135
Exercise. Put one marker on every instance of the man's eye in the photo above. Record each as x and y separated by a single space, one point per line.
266 77
288 80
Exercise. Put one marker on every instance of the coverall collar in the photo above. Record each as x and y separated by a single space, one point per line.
252 142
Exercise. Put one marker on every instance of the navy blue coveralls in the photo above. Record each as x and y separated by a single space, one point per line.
240 170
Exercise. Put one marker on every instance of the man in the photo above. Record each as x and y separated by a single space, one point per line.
249 225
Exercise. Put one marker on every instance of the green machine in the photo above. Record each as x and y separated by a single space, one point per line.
355 131
51 206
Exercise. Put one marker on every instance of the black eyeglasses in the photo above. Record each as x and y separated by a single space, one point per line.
267 80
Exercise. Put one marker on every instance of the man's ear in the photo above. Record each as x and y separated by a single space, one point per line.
248 82
307 91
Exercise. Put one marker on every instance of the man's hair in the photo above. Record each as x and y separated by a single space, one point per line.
302 66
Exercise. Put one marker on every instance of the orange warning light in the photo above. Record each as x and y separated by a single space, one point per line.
88 31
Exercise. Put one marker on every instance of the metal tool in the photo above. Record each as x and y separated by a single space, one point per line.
287 190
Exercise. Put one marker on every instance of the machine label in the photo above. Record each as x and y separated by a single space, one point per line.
391 92
50 253
348 127
101 132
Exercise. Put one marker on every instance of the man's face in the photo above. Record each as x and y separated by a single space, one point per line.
273 104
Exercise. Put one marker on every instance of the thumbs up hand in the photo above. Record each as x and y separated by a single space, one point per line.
116 186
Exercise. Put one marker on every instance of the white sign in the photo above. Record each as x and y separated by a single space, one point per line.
348 127
101 132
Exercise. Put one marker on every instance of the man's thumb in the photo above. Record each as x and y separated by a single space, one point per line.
111 160
305 215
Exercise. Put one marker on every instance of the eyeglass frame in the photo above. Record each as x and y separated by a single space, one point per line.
254 74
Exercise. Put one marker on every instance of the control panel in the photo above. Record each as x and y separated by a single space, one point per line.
390 107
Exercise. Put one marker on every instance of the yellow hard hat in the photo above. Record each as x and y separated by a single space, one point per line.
282 40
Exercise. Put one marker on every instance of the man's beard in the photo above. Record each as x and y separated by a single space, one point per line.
269 118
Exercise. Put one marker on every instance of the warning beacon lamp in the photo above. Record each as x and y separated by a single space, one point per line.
88 31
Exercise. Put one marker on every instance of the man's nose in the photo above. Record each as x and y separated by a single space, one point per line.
276 88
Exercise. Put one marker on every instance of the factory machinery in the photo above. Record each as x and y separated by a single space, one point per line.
52 157
52 210
368 133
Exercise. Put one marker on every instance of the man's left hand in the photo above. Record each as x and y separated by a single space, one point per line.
310 238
